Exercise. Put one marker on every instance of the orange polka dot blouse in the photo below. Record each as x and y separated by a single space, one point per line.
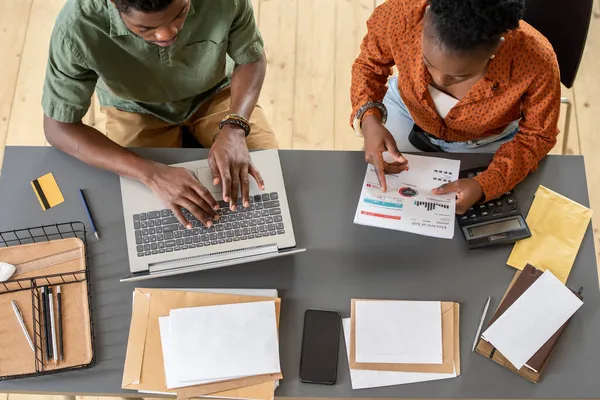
522 81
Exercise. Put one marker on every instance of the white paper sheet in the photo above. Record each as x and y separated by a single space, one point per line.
532 319
364 379
403 332
408 204
224 341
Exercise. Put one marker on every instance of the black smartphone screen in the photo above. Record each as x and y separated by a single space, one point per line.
320 345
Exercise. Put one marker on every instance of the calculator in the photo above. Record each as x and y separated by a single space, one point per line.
496 222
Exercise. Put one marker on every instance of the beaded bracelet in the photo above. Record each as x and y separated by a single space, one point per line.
238 120
357 123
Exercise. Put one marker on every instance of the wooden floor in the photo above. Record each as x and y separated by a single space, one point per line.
310 44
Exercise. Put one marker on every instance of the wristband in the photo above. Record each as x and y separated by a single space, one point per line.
234 119
357 123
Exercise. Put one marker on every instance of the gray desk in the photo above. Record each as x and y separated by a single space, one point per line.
343 261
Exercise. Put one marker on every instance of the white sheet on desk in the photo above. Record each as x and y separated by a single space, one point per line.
363 379
532 319
224 341
169 360
401 332
422 213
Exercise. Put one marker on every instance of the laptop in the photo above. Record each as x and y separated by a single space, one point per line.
158 245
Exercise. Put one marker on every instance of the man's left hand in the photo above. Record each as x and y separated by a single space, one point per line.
468 192
231 166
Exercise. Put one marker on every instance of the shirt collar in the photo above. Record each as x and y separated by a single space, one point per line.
118 27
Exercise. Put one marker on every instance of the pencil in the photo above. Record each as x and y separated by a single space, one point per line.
52 327
89 213
59 326
46 324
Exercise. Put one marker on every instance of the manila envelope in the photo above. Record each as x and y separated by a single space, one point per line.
144 364
558 225
450 347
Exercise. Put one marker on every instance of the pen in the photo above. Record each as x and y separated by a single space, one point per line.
59 327
52 326
46 324
22 323
89 213
485 310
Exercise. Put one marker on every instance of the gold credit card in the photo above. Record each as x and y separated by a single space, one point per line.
47 191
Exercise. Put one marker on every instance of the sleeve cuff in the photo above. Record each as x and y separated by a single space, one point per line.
66 114
251 54
492 184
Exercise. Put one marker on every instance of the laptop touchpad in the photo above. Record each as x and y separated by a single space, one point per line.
204 175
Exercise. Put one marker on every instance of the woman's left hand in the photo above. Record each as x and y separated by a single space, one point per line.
468 192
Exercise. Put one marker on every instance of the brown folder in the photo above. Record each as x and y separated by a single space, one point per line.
535 365
144 364
450 346
50 263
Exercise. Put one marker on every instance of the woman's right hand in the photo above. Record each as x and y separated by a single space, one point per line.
377 141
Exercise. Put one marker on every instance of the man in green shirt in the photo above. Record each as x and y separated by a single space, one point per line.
159 66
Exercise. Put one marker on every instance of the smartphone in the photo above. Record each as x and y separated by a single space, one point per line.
320 346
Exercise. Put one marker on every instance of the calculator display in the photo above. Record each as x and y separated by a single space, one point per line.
495 228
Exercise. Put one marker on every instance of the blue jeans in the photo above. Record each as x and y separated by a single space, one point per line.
400 124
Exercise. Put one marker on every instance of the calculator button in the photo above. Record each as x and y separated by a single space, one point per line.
471 175
512 209
496 212
491 204
485 213
499 203
482 206
510 201
464 218
471 209
473 216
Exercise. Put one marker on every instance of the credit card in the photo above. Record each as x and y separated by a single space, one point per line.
47 191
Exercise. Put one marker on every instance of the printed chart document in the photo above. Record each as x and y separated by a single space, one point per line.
223 342
408 205
524 328
365 379
400 332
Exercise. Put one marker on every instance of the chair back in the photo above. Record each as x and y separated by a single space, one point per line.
565 24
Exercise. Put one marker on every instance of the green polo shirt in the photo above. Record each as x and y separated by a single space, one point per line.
92 49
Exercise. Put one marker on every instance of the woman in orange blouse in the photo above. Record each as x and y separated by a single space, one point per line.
472 75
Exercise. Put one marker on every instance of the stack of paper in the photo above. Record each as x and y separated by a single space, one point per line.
532 319
218 344
399 342
408 204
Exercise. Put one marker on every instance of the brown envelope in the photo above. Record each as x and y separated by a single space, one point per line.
144 365
449 342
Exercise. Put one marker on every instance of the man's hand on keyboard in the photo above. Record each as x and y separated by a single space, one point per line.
231 166
178 188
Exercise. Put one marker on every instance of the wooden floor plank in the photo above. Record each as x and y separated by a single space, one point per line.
587 98
278 27
25 127
14 16
350 23
315 70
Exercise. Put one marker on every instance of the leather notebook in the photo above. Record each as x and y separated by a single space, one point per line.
534 366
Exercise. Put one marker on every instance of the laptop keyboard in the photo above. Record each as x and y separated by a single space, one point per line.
158 232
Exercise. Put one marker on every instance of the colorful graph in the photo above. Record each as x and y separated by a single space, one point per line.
429 206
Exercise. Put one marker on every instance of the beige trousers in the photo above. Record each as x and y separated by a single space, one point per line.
143 130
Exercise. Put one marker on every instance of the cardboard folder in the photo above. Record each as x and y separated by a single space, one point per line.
144 364
450 346
48 267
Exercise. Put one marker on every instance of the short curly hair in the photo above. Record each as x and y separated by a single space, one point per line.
146 6
464 25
